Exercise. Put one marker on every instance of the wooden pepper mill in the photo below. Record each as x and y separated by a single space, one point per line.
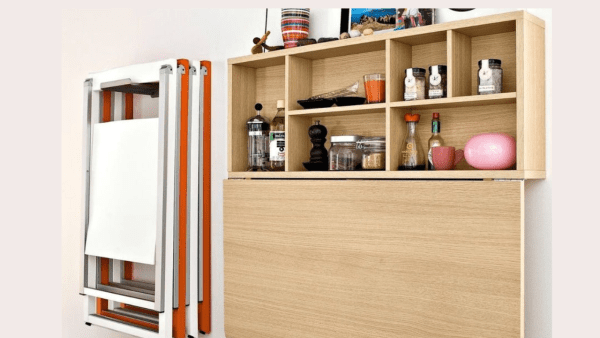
319 158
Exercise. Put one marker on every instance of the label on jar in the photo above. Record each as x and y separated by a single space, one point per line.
436 93
485 73
255 133
435 78
489 88
409 81
277 145
410 96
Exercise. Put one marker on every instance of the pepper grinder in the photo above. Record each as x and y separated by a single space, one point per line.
319 158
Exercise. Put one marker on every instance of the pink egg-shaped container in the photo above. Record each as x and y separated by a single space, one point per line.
491 151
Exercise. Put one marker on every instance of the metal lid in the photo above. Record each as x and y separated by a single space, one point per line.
345 139
441 68
495 62
372 140
416 70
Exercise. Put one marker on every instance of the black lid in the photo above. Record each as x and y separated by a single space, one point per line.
415 70
258 106
496 62
441 68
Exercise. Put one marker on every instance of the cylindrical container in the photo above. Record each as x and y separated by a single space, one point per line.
258 141
414 84
343 154
294 25
373 152
375 87
489 77
438 82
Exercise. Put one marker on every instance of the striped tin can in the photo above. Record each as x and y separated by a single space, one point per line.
294 25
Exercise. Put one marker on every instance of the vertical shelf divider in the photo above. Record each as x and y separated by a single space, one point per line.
459 64
298 85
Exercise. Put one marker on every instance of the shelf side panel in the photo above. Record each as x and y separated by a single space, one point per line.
242 97
459 64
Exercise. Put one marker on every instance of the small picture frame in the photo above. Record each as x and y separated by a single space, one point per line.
378 19
414 17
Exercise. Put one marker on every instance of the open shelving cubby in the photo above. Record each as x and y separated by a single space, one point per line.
516 38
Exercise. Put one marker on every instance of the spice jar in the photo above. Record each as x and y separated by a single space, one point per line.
373 152
343 154
414 84
489 78
437 82
375 87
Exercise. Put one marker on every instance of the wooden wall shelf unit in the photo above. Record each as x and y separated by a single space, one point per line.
403 254
516 38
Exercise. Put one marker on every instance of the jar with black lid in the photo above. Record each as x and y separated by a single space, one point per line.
415 84
489 77
438 82
343 154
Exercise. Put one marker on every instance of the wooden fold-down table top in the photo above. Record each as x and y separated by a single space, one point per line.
344 258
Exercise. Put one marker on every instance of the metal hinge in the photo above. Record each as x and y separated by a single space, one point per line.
204 70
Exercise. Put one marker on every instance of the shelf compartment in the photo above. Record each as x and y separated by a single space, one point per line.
298 143
458 125
409 52
333 111
249 86
453 102
308 77
465 51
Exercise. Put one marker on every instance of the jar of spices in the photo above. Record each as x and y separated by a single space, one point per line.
373 152
414 84
437 82
489 78
343 154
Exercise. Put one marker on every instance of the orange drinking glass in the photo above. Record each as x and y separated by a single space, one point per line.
375 88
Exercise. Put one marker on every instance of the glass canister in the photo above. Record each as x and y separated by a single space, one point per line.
414 84
437 82
375 87
343 154
258 141
489 78
373 152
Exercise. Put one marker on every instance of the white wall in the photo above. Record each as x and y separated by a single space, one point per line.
103 39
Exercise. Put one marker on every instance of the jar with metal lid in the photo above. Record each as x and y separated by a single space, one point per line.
438 82
414 84
343 154
489 77
373 152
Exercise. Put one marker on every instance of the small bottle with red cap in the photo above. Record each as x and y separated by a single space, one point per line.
412 156
435 141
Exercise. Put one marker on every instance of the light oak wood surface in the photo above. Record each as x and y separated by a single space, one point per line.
373 259
516 38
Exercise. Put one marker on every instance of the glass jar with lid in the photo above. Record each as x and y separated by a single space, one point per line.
414 84
438 82
343 154
373 152
489 77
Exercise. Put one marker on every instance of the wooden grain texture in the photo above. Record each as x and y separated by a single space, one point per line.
395 130
242 94
339 72
403 259
430 54
497 46
534 100
400 59
335 110
298 81
462 101
459 64
458 125
270 87
392 175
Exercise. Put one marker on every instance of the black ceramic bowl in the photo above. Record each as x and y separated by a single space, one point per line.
318 103
349 100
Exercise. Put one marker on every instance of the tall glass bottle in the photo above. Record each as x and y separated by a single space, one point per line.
258 141
412 156
435 141
277 139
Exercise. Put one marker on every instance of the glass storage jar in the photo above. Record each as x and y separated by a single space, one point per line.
437 82
375 87
489 77
414 84
373 152
343 154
